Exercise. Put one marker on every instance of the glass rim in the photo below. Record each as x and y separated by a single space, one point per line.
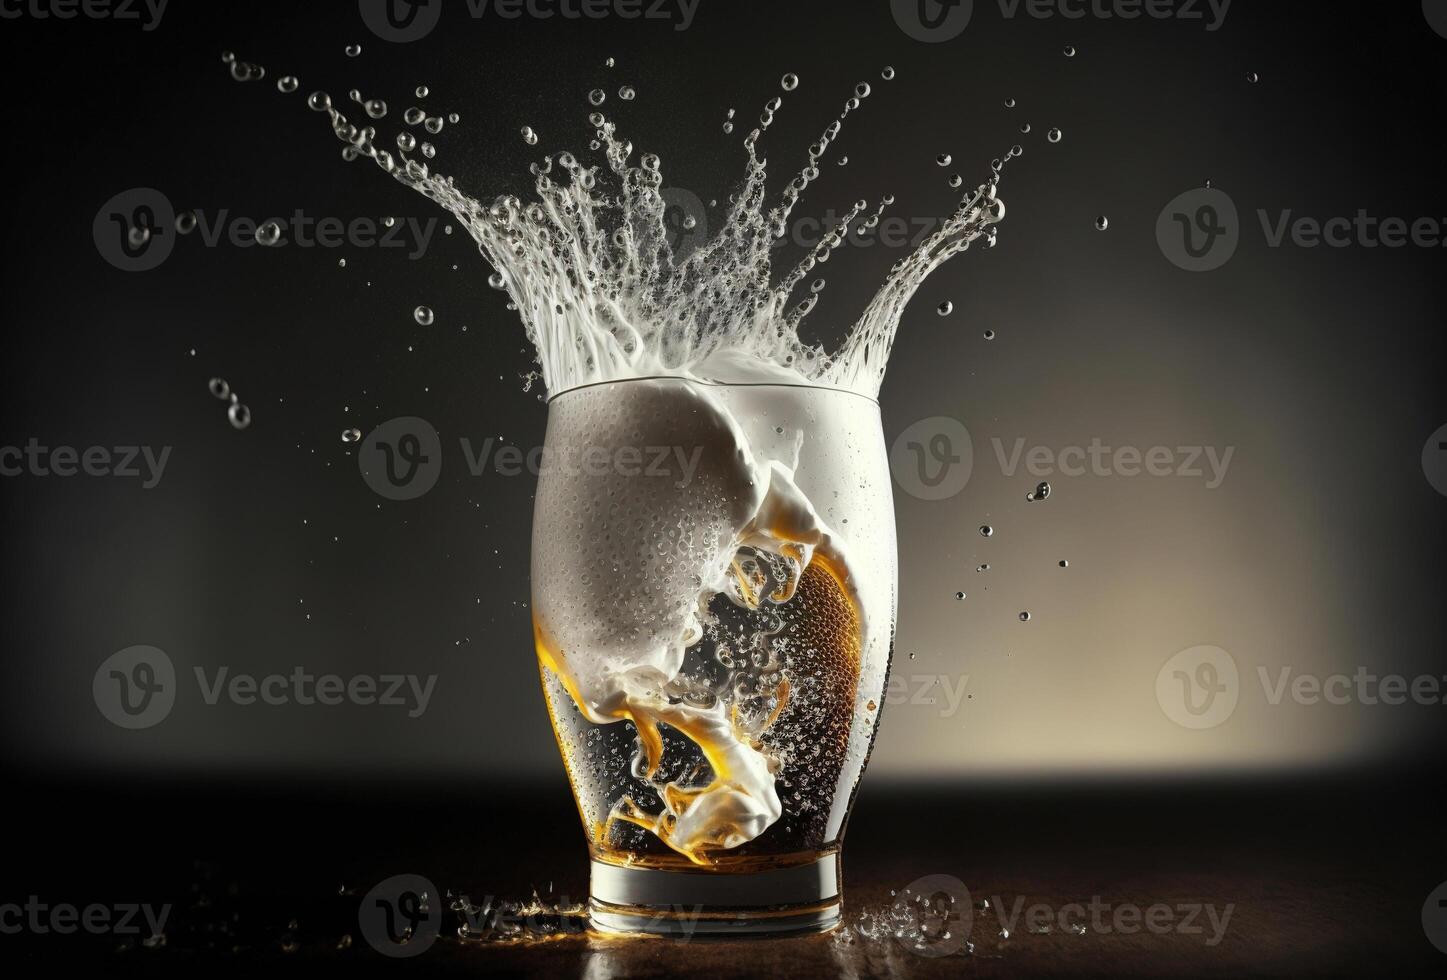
712 384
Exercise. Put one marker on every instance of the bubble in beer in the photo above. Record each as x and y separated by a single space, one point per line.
423 315
219 388
986 530
319 102
943 159
351 435
627 94
945 308
186 222
268 234
597 96
529 137
353 50
1102 223
287 84
887 73
239 415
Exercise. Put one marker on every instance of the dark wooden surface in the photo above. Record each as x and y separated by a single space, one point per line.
1324 877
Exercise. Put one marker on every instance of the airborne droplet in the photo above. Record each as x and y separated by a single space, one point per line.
789 82
351 435
946 308
219 388
353 50
1102 223
986 530
239 415
423 315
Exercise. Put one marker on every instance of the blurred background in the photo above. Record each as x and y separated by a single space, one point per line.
1288 519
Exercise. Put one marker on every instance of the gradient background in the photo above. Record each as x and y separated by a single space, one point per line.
264 549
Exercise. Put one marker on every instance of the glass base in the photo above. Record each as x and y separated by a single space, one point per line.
686 904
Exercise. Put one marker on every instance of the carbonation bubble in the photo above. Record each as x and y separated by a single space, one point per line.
1054 135
269 233
986 530
186 222
351 435
287 84
219 388
423 315
239 415
319 102
597 96
887 73
353 50
1102 223
789 82
945 308
529 137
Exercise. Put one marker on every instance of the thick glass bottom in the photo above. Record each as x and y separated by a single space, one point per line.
780 901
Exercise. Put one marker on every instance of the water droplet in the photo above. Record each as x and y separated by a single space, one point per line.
1064 563
422 92
351 435
983 568
1024 127
376 108
887 73
388 221
1009 103
353 50
319 102
955 180
1042 491
627 94
960 595
219 388
239 415
341 263
287 84
1102 223
1070 51
789 82
945 308
1054 135
423 315
862 90
453 118
989 335
139 235
609 63
597 96
497 281
406 142
186 222
1024 617
943 159
529 137
986 530
227 57
413 116
269 233
1252 77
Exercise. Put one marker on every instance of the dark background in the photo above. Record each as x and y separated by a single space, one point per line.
264 549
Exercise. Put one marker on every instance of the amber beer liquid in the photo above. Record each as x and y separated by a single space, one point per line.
714 595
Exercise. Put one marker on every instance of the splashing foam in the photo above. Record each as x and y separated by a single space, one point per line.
604 296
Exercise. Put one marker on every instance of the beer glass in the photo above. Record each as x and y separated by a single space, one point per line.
714 593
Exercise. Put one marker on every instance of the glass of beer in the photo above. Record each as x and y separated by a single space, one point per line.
714 594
